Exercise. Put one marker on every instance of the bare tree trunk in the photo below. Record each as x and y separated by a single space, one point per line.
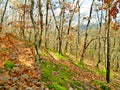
69 26
57 45
23 30
2 18
105 40
108 50
100 28
60 27
36 32
46 22
78 32
41 22
86 34
78 25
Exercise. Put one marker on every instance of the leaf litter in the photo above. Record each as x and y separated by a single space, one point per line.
25 75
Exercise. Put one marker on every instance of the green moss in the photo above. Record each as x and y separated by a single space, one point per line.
56 73
102 85
9 64
43 53
63 57
56 86
101 72
81 65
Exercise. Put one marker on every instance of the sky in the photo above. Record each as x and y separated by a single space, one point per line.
84 10
86 6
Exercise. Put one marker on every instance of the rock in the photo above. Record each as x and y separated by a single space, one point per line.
14 79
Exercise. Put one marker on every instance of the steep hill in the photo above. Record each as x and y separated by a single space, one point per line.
20 71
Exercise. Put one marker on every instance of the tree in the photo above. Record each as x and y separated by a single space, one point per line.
41 21
46 23
112 12
36 44
2 18
60 26
86 34
100 28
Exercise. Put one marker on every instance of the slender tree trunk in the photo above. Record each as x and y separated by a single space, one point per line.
105 40
108 50
23 30
61 27
46 22
86 34
78 32
100 28
78 25
41 22
69 26
57 28
36 44
2 18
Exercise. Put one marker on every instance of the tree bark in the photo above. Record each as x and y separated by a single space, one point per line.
108 50
99 44
46 23
2 18
36 44
86 34
41 22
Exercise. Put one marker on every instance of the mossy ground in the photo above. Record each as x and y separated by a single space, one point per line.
58 76
102 85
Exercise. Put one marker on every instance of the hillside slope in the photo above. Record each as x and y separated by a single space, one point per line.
20 71
83 78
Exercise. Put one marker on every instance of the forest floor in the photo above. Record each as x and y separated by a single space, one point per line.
20 71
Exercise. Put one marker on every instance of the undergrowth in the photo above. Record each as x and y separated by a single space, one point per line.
58 77
102 85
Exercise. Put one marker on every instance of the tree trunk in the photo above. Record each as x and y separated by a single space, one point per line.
36 44
108 51
23 30
41 22
46 22
78 33
86 34
100 28
2 18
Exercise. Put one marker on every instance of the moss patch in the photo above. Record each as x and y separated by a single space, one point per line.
9 64
102 85
61 56
57 76
56 86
